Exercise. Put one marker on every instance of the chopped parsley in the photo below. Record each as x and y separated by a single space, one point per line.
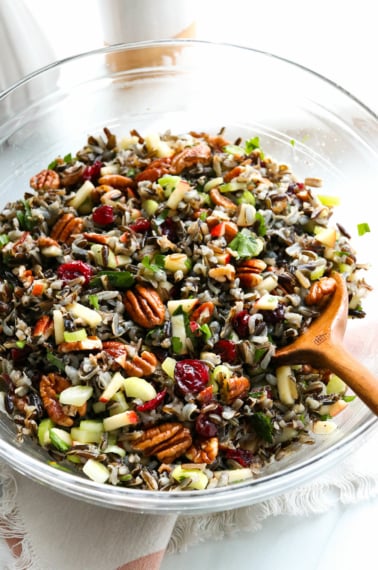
246 244
363 228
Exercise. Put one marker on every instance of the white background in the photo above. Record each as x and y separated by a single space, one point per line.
337 39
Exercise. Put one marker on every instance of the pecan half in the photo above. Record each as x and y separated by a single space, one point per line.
203 313
44 327
116 181
221 200
320 290
155 170
144 306
50 386
167 441
249 271
190 156
45 180
234 387
137 365
66 227
205 452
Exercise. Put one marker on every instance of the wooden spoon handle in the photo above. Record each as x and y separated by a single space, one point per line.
363 383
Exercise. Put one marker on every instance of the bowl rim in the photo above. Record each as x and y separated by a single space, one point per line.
179 42
190 502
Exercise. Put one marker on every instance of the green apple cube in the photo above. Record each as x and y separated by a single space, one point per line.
186 305
96 471
178 194
179 333
81 195
197 478
60 439
76 395
336 385
139 388
168 365
43 433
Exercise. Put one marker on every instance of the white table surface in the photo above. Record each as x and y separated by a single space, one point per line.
337 39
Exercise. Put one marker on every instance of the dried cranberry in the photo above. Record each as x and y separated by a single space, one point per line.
103 215
92 171
226 349
241 456
140 225
205 427
275 316
240 323
152 404
74 269
168 229
19 355
191 376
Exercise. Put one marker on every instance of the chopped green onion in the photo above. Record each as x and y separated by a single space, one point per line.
234 149
117 279
363 228
329 200
252 144
4 239
53 164
176 344
75 336
93 300
55 361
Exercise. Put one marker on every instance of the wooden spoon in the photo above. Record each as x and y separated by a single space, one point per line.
321 346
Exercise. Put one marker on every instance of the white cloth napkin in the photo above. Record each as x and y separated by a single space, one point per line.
49 531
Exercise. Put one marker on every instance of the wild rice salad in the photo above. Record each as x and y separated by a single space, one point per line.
145 284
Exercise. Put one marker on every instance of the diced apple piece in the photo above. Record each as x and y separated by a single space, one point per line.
89 431
326 236
139 388
120 420
179 333
287 387
76 395
267 302
177 262
336 385
81 195
156 146
89 316
58 321
178 194
337 407
235 475
187 305
96 471
325 427
198 479
108 260
168 365
114 385
267 284
115 449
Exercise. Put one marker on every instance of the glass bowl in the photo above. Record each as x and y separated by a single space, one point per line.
301 119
